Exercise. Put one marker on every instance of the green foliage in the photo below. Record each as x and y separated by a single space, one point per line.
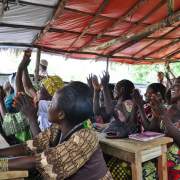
146 73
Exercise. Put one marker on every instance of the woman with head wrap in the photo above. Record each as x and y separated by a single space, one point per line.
48 88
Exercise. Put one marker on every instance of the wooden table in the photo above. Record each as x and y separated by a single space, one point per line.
137 152
15 175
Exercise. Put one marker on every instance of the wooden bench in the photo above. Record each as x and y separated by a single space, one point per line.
15 175
136 152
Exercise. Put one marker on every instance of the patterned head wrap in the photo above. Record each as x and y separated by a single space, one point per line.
52 84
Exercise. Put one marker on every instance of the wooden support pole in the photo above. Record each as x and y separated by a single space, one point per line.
38 57
107 65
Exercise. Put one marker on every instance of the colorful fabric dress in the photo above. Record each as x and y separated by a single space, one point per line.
16 124
173 156
78 157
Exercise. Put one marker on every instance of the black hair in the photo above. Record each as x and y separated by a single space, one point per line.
158 88
76 102
128 88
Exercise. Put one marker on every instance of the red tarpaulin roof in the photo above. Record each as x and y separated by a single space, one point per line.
127 31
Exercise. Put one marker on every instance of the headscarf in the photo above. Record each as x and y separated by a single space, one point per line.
52 84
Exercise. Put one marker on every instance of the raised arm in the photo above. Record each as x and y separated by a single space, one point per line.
23 65
28 86
89 82
107 96
3 110
96 97
138 101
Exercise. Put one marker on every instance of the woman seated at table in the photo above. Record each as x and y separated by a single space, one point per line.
77 155
121 123
170 124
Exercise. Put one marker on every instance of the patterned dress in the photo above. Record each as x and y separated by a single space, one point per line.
77 157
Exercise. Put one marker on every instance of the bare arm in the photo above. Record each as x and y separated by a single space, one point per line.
19 84
96 106
16 150
138 101
34 126
22 163
29 88
23 65
3 110
107 96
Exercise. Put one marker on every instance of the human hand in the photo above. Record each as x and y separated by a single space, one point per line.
105 79
25 105
89 80
26 59
95 83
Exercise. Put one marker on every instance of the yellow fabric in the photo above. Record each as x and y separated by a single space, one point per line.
52 84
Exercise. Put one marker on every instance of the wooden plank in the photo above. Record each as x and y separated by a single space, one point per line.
62 51
13 174
133 146
120 154
13 25
32 4
162 165
152 153
136 168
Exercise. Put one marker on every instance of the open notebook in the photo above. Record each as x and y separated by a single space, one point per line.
146 136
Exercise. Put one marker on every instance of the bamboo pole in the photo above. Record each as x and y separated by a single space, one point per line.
107 65
38 57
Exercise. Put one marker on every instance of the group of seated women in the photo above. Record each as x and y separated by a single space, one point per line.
51 127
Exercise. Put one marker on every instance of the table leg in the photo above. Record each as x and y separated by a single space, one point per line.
162 167
136 168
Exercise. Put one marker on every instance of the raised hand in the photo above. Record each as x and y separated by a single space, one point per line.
26 59
95 83
25 104
89 80
105 79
